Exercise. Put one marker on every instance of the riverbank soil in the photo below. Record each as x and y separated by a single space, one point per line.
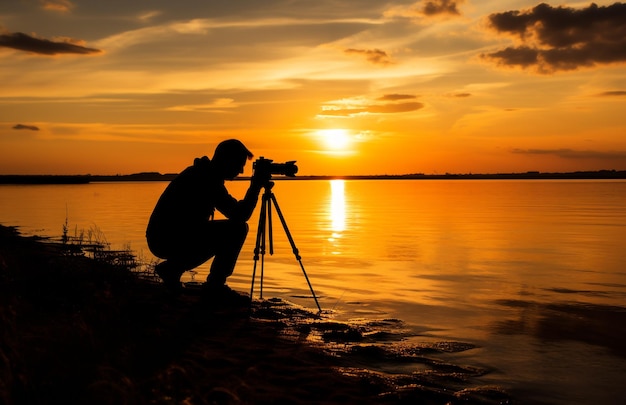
78 330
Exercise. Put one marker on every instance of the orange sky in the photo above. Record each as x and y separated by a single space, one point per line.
343 87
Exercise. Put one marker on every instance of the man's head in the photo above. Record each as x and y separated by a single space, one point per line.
230 158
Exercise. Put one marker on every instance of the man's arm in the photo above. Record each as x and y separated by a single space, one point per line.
238 210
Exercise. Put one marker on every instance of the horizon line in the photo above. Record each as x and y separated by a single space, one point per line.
157 176
156 173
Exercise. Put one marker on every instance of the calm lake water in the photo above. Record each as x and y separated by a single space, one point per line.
531 272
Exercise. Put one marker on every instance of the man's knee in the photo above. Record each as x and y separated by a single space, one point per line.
240 230
227 231
236 227
157 247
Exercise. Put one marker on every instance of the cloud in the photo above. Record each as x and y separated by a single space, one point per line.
27 127
219 105
354 107
553 39
574 154
615 93
438 7
427 8
394 108
395 97
27 43
375 56
62 6
149 16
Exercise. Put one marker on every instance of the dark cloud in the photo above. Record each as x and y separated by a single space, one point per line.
438 7
615 93
28 127
461 95
27 43
375 56
574 154
395 97
426 8
561 38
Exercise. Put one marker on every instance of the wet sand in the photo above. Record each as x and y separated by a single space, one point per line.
78 330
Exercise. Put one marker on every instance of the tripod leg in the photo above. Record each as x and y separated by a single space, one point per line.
267 228
293 247
259 246
269 225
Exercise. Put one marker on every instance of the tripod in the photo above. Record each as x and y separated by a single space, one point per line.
265 230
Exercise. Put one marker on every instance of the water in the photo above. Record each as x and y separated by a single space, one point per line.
531 272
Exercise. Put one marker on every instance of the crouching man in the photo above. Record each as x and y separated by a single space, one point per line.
182 230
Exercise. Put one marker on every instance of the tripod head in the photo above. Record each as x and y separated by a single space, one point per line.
268 186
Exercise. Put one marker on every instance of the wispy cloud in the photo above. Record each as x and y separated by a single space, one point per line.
62 6
357 106
149 16
560 38
26 127
574 154
394 108
203 26
40 46
220 105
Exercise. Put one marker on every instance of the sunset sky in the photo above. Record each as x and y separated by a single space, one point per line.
341 86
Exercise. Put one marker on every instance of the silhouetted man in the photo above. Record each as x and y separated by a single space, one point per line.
182 229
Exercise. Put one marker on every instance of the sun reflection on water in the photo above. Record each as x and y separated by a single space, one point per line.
337 213
337 207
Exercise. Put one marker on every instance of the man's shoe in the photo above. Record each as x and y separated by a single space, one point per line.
224 295
170 277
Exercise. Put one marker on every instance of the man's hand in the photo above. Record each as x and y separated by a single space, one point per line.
260 179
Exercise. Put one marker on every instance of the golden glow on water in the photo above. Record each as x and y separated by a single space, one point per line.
426 242
457 243
492 262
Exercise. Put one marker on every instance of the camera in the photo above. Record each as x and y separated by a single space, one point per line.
266 167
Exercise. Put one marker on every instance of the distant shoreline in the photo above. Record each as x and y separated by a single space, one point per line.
154 176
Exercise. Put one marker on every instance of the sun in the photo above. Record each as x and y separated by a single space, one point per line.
335 139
